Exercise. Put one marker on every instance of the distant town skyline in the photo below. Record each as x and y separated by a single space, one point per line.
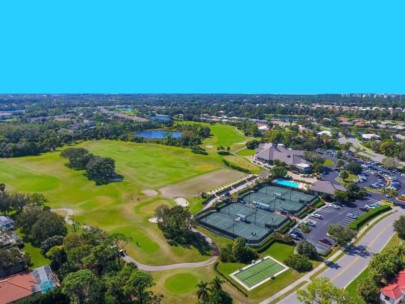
288 47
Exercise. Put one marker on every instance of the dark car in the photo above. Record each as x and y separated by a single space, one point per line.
364 209
325 241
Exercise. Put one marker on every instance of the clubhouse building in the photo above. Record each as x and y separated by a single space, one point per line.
269 152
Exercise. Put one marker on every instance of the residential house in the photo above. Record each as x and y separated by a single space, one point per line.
25 284
399 137
270 152
6 223
327 133
370 136
394 293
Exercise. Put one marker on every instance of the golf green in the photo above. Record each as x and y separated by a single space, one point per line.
181 283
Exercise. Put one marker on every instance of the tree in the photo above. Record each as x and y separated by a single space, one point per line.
176 223
341 196
385 265
368 290
399 226
388 147
354 168
203 292
49 224
82 287
390 163
100 169
2 187
242 252
278 172
344 175
341 234
78 158
306 248
137 285
322 291
299 262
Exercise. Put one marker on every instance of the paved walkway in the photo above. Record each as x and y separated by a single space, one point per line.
350 265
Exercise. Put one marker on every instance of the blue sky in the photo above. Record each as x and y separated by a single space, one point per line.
133 46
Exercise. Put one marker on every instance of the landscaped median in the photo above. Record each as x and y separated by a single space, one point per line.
364 218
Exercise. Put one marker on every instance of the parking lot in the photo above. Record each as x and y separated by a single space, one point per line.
330 216
340 216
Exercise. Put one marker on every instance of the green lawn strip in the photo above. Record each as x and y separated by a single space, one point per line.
376 191
246 152
328 163
352 287
243 163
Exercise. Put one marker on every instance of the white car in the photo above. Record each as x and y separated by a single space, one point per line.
333 206
317 215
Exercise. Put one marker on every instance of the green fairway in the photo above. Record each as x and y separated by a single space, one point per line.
118 207
243 163
181 283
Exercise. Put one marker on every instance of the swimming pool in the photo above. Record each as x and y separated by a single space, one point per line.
286 183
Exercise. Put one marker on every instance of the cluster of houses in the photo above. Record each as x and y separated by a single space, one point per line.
16 282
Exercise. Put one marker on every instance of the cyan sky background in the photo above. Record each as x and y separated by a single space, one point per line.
190 46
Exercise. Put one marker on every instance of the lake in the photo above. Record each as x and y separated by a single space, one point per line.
157 134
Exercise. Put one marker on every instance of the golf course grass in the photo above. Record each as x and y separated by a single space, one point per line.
116 207
181 283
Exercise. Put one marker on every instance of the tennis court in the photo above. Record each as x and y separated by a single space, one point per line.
258 273
239 220
278 199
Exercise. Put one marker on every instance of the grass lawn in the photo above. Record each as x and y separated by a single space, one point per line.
351 177
328 163
179 285
117 207
352 287
243 163
246 152
37 259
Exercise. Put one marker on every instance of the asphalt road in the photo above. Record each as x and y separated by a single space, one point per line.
345 270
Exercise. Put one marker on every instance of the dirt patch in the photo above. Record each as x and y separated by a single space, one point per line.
193 186
182 202
149 192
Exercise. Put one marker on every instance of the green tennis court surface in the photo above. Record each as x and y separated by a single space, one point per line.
258 273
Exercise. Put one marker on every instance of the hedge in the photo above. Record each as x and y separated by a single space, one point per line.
364 218
236 167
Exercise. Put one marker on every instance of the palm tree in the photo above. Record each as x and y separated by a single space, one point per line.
216 284
203 292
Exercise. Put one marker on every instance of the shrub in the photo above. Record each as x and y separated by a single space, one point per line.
299 262
364 218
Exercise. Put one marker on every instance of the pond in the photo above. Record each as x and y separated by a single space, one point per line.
157 134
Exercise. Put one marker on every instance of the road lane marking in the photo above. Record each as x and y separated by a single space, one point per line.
358 257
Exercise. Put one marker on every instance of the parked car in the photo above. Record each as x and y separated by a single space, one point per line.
364 209
333 206
352 215
317 215
311 223
325 241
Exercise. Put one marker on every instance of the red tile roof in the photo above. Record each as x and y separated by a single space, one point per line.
16 287
397 288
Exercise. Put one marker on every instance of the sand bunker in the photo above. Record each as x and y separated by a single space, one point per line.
153 220
150 192
181 202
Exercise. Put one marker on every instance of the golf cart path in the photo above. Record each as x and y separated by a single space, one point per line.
68 216
145 267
